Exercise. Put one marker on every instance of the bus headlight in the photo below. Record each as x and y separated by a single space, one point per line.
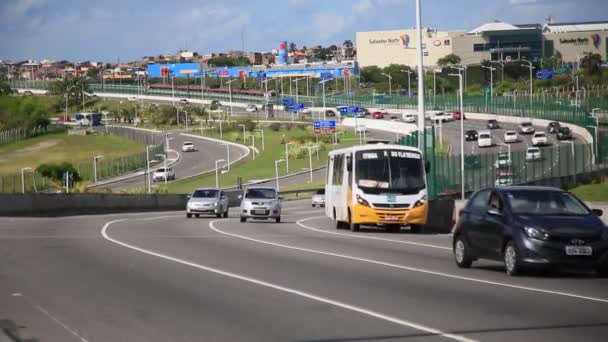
362 201
420 202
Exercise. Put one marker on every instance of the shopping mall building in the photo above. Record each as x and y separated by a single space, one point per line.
496 41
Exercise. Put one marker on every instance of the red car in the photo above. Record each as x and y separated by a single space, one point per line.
378 115
64 118
456 115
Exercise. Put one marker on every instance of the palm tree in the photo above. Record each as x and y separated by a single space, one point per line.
348 43
292 47
72 87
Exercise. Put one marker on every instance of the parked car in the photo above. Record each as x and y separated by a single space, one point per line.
183 101
533 154
251 108
188 146
159 175
511 137
318 199
378 115
470 135
260 204
525 227
553 127
207 201
484 139
526 128
503 161
456 115
564 133
493 124
539 139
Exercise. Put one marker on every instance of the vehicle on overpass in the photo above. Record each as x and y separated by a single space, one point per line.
260 203
207 202
533 154
470 135
376 184
530 227
493 124
250 108
511 137
564 133
553 127
378 115
526 128
410 117
484 139
539 139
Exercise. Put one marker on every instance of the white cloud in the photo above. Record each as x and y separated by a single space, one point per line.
362 6
15 10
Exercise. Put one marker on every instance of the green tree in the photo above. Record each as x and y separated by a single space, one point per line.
324 54
56 172
5 89
292 47
592 62
228 61
450 59
72 87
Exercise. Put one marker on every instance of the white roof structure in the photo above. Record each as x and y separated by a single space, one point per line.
494 26
576 27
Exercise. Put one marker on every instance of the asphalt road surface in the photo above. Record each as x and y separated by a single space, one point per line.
190 163
162 277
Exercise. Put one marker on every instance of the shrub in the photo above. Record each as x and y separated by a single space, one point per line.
275 126
57 171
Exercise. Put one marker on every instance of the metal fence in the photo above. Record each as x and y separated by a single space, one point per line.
13 135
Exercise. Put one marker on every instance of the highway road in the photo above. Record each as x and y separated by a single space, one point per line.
162 277
189 164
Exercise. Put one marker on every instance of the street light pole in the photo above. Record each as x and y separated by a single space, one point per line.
172 92
491 79
297 89
262 131
276 171
95 167
243 132
23 178
287 156
148 168
230 93
186 120
390 87
595 128
253 146
409 86
228 157
460 86
531 67
217 177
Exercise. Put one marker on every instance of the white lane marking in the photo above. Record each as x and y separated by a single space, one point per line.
342 305
60 323
413 269
299 223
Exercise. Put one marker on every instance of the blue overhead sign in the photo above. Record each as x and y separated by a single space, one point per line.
544 74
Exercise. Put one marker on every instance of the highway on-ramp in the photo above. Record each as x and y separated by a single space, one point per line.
162 277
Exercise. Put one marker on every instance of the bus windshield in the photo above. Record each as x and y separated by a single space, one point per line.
394 171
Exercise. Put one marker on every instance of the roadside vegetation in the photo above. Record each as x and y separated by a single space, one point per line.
592 192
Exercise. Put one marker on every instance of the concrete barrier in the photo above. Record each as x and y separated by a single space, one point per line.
381 125
51 205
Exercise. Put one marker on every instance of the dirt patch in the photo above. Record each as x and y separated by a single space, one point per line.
36 147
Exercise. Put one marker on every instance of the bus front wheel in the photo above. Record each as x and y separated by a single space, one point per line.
416 228
354 227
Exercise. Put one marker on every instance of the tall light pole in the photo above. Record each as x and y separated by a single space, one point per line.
172 92
323 85
531 67
287 156
297 89
421 125
409 86
148 168
165 166
95 167
434 85
252 146
390 79
262 132
573 157
460 86
491 79
502 65
217 176
243 132
595 128
230 93
82 85
276 171
310 148
23 178
177 116
186 120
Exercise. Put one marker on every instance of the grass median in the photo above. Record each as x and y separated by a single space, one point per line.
263 167
592 192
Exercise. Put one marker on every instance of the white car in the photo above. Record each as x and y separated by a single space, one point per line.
511 137
526 128
251 109
410 118
161 174
318 199
484 139
188 146
533 154
183 101
539 139
132 98
442 117
503 161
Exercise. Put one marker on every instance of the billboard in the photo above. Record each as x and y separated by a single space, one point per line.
175 70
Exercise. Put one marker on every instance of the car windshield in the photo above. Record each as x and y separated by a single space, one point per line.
261 193
492 121
511 133
187 143
526 124
160 170
533 150
530 202
484 136
320 192
389 171
205 194
539 135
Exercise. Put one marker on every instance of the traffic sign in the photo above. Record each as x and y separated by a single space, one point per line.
544 74
324 126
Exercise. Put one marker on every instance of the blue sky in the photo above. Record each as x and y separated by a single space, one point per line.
130 29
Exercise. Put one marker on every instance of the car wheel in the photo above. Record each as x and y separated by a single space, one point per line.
226 213
511 259
188 215
393 228
278 219
313 205
354 227
416 228
218 215
461 253
197 215
243 219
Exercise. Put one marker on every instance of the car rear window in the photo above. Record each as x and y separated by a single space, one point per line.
484 136
320 192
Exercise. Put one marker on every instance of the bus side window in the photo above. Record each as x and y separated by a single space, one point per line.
330 170
350 161
338 167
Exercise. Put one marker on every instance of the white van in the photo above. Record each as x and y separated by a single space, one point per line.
484 139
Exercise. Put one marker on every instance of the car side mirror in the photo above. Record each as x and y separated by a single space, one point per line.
240 197
494 212
598 212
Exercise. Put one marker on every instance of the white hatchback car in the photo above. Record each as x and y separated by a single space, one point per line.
533 154
251 108
188 146
539 139
511 137
484 139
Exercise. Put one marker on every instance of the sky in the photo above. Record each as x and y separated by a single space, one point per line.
106 30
